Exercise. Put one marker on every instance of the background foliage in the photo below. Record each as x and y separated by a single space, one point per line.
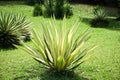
57 8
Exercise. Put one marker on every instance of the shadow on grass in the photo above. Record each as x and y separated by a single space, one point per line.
50 75
113 24
70 75
6 48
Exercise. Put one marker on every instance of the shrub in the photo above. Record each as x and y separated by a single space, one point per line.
37 10
100 17
13 29
57 8
68 10
118 18
30 2
48 8
33 2
59 50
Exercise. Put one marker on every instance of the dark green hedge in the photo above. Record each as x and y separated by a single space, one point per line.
13 0
29 2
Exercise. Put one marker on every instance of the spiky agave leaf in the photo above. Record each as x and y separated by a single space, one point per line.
59 49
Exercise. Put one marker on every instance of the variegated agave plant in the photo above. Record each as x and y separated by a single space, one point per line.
59 50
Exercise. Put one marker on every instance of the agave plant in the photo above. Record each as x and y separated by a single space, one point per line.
13 29
100 19
59 49
99 12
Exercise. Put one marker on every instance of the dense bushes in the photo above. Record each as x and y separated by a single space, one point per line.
118 18
33 2
57 8
68 10
14 29
118 5
48 8
37 10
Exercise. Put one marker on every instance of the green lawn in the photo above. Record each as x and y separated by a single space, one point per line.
105 64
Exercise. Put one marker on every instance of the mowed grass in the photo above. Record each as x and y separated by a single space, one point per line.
105 64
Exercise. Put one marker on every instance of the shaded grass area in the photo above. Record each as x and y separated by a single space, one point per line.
105 64
112 25
43 75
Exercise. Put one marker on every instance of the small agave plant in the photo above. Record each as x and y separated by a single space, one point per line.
100 17
59 49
